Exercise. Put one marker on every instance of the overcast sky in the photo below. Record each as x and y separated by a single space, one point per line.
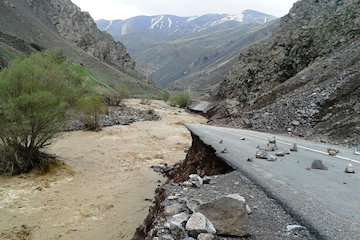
122 9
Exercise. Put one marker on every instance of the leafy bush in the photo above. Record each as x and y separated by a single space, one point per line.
181 100
91 107
165 96
115 99
35 93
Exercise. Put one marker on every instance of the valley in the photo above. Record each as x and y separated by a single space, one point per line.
162 124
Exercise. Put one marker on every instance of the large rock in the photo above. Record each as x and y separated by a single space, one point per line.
79 28
198 223
228 215
173 209
206 236
318 165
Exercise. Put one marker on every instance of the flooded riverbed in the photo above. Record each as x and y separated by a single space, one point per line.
101 192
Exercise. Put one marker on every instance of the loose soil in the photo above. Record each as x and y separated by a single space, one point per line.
102 190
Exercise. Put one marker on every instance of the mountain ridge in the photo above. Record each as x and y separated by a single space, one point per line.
303 80
60 24
175 51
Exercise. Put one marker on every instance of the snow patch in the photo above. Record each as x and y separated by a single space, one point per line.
156 21
109 25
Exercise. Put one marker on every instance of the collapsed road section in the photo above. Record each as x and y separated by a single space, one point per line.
324 199
222 191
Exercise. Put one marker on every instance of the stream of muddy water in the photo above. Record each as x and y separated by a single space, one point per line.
102 190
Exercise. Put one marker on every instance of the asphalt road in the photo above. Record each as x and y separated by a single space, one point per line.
327 202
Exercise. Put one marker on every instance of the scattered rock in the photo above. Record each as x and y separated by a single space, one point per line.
273 140
280 154
224 150
291 228
318 165
206 236
332 152
193 204
243 139
173 209
173 197
228 215
206 180
261 154
187 184
271 147
294 148
271 158
295 123
198 223
250 160
221 141
166 237
179 220
196 180
248 209
350 169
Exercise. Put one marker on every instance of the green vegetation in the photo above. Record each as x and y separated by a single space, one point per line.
181 100
35 94
115 97
92 107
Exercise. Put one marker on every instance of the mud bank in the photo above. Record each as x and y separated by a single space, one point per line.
268 219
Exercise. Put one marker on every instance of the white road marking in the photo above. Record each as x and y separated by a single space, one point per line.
299 146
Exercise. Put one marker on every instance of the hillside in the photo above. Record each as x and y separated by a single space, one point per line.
303 80
59 24
181 52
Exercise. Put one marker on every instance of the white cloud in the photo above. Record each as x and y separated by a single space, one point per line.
121 9
108 9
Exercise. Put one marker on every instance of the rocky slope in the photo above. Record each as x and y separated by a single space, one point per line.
79 28
304 80
176 52
59 24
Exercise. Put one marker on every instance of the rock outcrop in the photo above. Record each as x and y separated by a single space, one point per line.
307 73
79 28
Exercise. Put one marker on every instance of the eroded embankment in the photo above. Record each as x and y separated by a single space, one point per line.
267 218
200 159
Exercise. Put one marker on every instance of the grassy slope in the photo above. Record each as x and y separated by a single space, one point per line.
21 22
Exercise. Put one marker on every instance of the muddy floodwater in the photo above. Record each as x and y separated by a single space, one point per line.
101 191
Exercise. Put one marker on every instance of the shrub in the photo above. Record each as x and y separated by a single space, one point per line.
35 93
91 107
181 100
165 96
115 98
145 101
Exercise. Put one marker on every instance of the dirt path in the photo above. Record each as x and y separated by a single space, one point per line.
100 193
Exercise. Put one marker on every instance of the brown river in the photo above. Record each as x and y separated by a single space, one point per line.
100 191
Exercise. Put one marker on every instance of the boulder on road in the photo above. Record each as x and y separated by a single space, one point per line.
228 215
350 169
318 165
261 154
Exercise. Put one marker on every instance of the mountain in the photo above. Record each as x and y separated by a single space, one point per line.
304 79
36 25
175 25
176 52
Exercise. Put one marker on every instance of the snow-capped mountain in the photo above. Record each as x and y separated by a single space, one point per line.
176 51
174 24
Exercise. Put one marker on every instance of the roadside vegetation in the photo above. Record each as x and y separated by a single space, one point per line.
35 94
181 100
